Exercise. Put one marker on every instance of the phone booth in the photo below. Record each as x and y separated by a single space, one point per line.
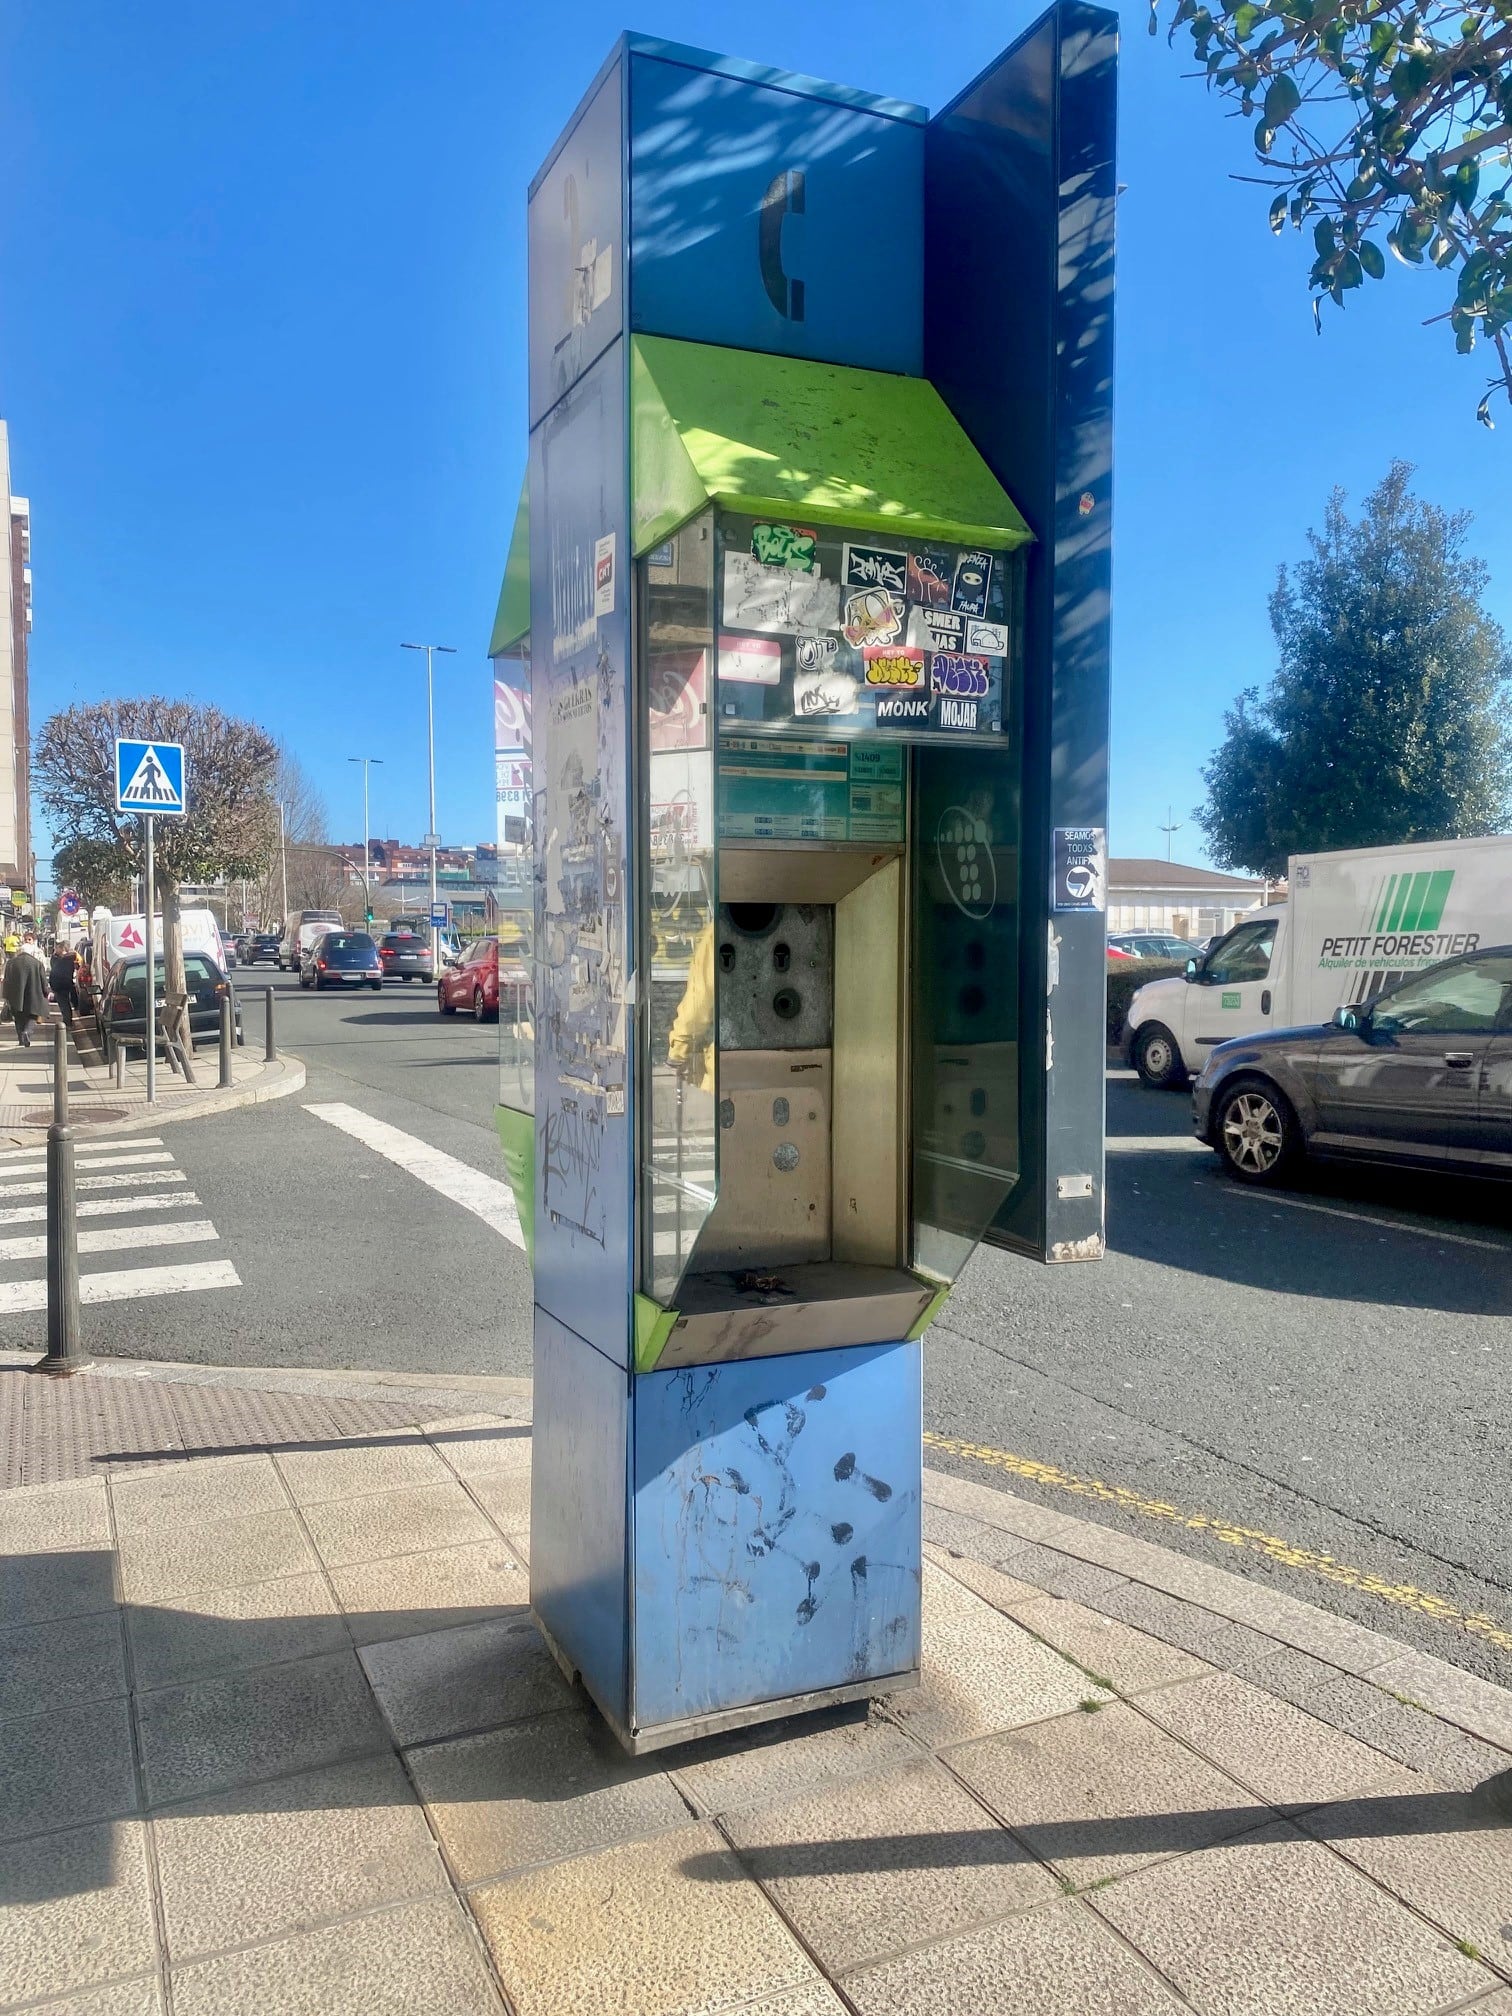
801 687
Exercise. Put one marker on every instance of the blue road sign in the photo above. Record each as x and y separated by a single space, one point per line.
150 778
438 916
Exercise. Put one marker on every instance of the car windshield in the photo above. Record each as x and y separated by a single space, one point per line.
348 941
404 941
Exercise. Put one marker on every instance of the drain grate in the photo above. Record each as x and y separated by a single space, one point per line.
41 1116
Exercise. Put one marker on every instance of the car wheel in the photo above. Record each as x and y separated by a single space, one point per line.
480 1013
376 985
446 1007
1256 1131
1157 1057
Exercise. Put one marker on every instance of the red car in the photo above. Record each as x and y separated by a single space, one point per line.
473 982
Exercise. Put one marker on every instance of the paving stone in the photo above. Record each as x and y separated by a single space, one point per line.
1132 1660
667 1927
430 1592
415 1960
1100 1795
557 1785
749 1767
504 1496
75 1908
161 1563
188 1493
1057 1961
61 1771
392 1462
44 1517
66 1582
58 1665
482 1442
1287 1756
1436 1851
1463 1698
982 1672
1210 1638
816 1998
1273 1923
122 1998
223 1630
869 1865
1058 1574
998 1509
967 1537
1003 1592
453 1683
415 1521
267 1861
239 1727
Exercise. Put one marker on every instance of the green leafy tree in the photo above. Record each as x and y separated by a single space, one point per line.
231 824
96 871
1386 129
1386 718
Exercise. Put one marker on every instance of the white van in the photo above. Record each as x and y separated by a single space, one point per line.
302 929
113 938
1352 924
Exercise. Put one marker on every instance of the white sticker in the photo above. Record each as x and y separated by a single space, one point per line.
989 637
757 597
754 661
603 575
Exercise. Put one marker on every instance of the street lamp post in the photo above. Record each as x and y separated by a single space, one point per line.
283 863
432 838
367 762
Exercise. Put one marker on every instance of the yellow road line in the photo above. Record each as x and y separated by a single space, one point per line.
1285 1553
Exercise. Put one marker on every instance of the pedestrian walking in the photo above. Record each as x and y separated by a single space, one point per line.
63 979
24 988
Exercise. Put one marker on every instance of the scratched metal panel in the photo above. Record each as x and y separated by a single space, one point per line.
577 247
776 1544
580 636
579 1492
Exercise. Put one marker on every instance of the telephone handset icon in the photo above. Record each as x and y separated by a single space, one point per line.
784 198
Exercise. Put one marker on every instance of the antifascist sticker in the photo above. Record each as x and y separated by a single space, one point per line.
875 567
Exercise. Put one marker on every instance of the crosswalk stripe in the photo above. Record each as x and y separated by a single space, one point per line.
484 1196
8 1156
140 1179
100 1207
126 1284
86 1158
115 1239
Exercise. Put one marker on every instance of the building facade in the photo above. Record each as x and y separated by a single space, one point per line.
17 869
1167 896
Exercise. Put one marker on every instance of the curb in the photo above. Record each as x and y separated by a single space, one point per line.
278 1080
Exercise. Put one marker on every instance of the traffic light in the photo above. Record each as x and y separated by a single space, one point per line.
369 915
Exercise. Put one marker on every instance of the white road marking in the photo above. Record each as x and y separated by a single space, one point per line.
132 1178
10 1156
1420 1231
485 1196
126 1284
115 1239
100 1207
85 1158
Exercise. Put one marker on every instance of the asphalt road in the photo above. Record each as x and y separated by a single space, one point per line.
1326 1368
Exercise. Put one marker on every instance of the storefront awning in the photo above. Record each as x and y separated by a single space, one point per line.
784 437
512 617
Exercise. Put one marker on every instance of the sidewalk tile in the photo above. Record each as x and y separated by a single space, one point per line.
559 1785
1288 1757
270 1860
70 1582
815 1998
1434 1851
205 1489
1101 1795
429 1592
75 1909
477 1443
122 1998
451 1683
1003 1592
750 1767
394 1461
668 1927
45 1517
995 1507
61 1664
1058 1961
1057 1574
348 1530
213 1734
163 1562
869 1865
1460 1697
1274 1925
222 1630
504 1496
416 1960
955 1532
1132 1660
982 1672
1186 1625
61 1771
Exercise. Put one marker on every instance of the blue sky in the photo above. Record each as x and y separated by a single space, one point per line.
262 284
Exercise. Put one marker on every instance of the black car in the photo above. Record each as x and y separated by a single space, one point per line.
262 945
404 956
121 1001
341 959
1422 1076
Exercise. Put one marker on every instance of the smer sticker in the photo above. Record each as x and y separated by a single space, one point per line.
896 666
964 678
929 579
793 546
875 567
873 616
968 597
989 637
936 630
903 710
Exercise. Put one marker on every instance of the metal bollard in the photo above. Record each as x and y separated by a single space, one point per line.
225 1041
64 1355
120 1066
270 1048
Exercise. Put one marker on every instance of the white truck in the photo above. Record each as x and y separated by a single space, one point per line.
115 938
1352 925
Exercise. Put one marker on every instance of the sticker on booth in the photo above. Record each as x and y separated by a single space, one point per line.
961 678
973 576
894 668
752 661
956 715
936 630
989 637
793 546
758 597
820 695
903 710
603 575
1080 873
872 616
929 579
876 567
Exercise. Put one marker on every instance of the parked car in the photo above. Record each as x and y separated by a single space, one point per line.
342 959
472 982
233 955
1152 945
404 956
121 1000
1421 1075
262 946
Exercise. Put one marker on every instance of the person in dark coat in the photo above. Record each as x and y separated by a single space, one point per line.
63 979
24 989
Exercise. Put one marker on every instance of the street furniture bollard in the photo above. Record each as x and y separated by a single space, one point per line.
270 1048
225 1041
120 1065
64 1354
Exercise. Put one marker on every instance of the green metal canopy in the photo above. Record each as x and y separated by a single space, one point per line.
789 438
512 617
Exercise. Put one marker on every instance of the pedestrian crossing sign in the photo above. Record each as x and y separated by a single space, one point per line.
150 778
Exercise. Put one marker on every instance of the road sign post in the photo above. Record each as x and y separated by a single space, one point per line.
149 931
150 782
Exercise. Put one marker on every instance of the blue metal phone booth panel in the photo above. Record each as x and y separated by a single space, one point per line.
726 1520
